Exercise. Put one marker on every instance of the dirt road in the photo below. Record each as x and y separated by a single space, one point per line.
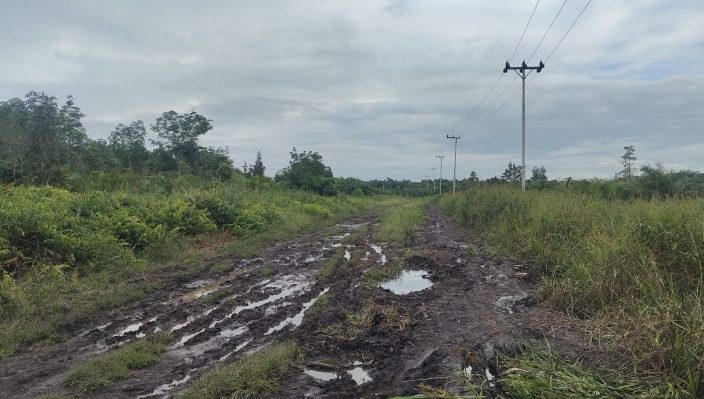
456 308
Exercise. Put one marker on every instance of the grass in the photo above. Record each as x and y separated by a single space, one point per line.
66 257
400 225
115 365
371 317
380 273
635 268
254 376
543 374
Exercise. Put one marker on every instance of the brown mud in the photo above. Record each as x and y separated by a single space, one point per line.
361 341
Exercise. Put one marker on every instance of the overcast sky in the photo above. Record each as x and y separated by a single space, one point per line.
374 86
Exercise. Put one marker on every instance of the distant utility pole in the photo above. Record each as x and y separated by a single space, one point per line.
427 185
441 157
454 170
521 71
433 169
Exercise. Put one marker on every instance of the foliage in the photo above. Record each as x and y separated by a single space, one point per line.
636 265
307 171
254 376
401 223
627 160
512 174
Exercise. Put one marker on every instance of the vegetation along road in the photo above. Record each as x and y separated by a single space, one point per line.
395 298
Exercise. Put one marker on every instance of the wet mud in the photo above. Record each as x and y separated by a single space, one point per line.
450 311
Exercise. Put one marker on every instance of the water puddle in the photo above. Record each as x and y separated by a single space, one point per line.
237 349
298 318
321 375
360 375
348 255
408 281
179 326
378 250
167 387
134 327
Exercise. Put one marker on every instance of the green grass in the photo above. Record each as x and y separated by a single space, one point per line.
115 365
401 223
380 273
546 375
66 257
635 268
254 376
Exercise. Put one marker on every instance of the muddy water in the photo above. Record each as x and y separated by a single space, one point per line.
213 319
408 281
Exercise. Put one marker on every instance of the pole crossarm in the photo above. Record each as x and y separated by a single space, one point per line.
521 71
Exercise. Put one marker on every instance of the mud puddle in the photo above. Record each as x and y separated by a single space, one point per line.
408 281
212 319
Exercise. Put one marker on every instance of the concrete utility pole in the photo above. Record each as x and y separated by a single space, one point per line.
433 169
454 170
427 185
521 71
441 158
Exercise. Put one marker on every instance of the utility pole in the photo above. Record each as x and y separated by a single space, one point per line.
521 71
441 157
427 185
454 170
433 169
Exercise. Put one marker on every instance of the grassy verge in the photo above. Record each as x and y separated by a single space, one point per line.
401 223
636 268
100 372
66 257
251 377
546 375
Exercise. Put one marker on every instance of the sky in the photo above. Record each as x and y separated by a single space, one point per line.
375 86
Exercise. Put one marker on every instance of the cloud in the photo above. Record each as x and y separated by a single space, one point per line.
374 89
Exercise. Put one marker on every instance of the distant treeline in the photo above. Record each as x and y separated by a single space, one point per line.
43 142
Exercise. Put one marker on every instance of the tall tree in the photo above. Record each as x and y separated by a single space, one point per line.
45 144
127 143
306 170
627 160
258 168
512 173
539 177
178 134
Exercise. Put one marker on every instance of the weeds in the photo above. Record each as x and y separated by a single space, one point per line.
99 372
254 376
636 266
401 223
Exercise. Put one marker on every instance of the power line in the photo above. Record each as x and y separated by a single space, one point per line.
546 60
491 89
547 31
524 30
568 30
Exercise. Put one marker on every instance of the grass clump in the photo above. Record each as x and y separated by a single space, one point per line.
545 375
379 273
254 376
401 223
634 267
115 365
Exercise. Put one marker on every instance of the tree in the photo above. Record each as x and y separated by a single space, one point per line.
127 143
512 174
307 171
473 176
539 176
44 143
178 134
258 168
627 160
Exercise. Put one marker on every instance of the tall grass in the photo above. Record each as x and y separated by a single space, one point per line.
65 256
401 223
636 265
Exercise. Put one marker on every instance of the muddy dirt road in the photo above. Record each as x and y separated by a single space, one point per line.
450 312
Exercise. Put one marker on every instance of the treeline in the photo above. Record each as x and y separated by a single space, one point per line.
42 142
